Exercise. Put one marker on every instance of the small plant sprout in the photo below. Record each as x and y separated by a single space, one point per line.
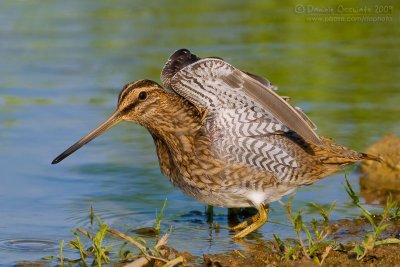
99 251
61 256
356 199
91 214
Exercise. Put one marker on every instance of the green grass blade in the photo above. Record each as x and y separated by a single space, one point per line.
61 256
160 216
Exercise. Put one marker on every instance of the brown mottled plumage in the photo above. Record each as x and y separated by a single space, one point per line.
219 143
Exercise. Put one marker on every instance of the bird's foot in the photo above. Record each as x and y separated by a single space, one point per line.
246 223
252 224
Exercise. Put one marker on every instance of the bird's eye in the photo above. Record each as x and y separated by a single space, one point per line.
142 95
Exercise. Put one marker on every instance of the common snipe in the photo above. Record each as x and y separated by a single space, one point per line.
224 137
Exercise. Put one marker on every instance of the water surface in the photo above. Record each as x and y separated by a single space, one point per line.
64 62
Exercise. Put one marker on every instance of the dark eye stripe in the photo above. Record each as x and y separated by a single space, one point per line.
128 107
125 91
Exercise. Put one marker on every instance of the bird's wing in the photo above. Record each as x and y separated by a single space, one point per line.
215 84
245 118
251 137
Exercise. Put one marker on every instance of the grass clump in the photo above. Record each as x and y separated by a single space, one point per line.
91 246
312 239
94 250
316 236
378 223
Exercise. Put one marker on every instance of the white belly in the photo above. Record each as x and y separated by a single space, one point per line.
242 198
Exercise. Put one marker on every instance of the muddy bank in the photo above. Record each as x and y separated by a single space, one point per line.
379 179
264 256
345 233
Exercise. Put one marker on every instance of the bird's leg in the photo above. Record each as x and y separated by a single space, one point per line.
253 223
210 213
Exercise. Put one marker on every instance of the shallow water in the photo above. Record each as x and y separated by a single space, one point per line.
64 62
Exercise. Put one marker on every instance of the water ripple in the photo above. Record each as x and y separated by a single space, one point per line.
28 245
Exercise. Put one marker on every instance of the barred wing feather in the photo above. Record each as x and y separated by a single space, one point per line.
243 114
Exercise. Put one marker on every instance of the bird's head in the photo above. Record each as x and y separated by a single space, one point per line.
138 101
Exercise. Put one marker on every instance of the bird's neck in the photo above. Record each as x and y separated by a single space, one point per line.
177 125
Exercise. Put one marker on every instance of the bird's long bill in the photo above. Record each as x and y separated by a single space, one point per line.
114 119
